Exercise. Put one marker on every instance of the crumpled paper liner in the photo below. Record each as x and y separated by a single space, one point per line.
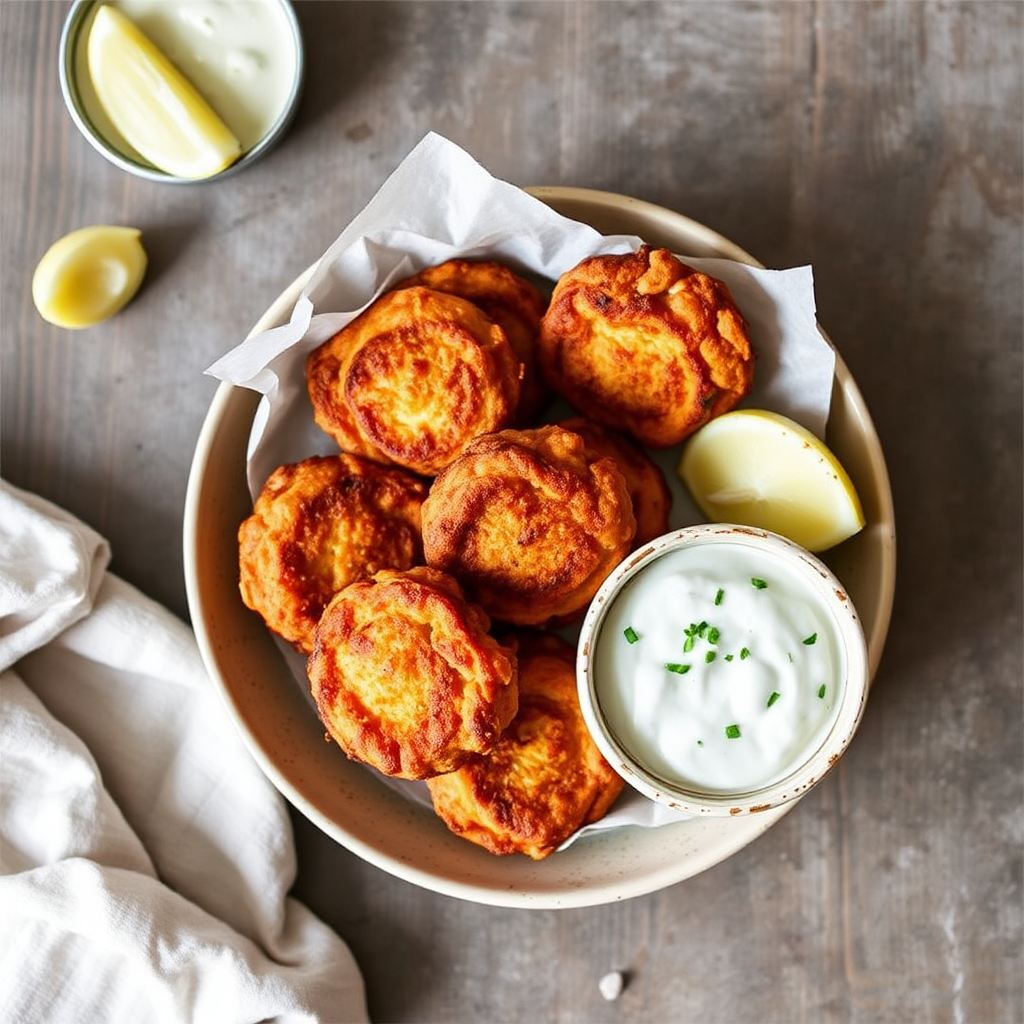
440 204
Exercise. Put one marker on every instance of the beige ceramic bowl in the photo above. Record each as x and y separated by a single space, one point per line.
344 799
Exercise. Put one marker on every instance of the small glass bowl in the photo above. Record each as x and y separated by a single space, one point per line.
815 762
92 123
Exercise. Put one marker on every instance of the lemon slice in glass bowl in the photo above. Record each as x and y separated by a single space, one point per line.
89 275
152 104
759 468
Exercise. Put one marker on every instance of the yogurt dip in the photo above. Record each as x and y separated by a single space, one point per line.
238 53
245 57
723 666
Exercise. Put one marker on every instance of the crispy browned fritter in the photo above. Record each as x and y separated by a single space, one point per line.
413 379
645 481
643 343
512 302
318 525
545 779
406 677
530 522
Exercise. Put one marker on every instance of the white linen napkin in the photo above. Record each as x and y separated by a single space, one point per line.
145 860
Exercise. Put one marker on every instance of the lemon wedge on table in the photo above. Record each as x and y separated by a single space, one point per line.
89 275
152 104
759 468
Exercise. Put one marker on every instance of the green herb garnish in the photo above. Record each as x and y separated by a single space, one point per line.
631 635
710 657
758 584
675 666
713 635
821 692
744 653
729 657
773 698
810 639
732 732
720 596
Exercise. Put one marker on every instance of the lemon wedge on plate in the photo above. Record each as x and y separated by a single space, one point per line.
152 104
759 468
88 275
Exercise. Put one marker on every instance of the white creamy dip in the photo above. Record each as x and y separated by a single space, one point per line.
719 668
239 54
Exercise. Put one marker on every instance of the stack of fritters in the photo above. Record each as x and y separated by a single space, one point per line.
454 506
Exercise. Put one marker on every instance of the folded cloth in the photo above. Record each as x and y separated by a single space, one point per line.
145 860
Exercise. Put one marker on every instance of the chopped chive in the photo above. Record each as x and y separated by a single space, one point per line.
709 657
744 653
758 584
674 666
702 629
773 698
720 596
713 635
631 635
729 657
810 639
688 645
732 732
821 692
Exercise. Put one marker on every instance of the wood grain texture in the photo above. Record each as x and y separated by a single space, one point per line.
881 142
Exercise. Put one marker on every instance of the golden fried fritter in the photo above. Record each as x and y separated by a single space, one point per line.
406 677
413 379
645 481
319 525
510 301
545 779
530 522
643 343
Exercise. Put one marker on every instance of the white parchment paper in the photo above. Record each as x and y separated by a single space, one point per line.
440 204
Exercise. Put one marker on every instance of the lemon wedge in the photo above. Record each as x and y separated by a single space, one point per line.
758 468
88 275
152 104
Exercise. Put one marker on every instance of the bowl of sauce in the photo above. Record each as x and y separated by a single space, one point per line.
722 670
246 58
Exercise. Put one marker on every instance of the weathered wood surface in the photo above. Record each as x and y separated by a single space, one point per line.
880 142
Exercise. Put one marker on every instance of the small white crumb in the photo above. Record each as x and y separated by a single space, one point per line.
611 985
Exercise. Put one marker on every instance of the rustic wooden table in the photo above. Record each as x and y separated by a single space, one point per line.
879 142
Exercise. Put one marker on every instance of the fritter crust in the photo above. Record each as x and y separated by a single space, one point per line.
318 525
406 677
413 379
645 481
530 522
644 343
545 779
512 302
